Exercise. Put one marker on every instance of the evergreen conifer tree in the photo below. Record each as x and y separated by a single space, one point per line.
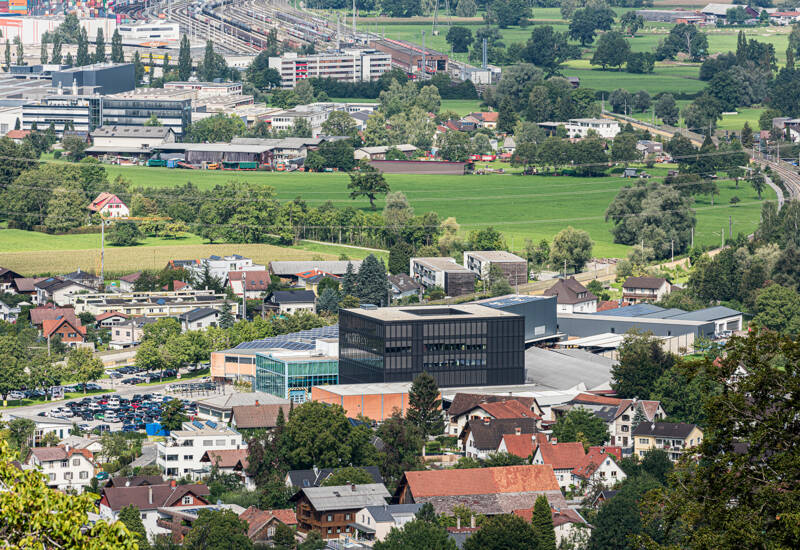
100 47
82 58
184 59
349 281
424 405
372 287
226 317
117 55
542 521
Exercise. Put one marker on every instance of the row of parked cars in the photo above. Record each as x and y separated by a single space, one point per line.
133 413
38 393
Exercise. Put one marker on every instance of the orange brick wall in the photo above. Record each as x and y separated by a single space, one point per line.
219 367
374 406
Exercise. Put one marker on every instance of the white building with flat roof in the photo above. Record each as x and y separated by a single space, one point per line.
179 455
579 127
354 65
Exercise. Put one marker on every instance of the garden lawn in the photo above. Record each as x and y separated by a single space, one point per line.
522 207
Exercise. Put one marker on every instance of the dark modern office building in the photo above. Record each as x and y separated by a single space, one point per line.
461 345
101 78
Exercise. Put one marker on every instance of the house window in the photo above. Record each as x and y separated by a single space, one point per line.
188 457
64 463
330 517
625 417
68 475
52 477
187 499
330 530
207 443
270 532
84 475
613 473
624 428
76 461
220 442
347 517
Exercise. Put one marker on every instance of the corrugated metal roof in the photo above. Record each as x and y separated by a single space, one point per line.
345 497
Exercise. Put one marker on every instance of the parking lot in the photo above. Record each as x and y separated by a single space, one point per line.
117 406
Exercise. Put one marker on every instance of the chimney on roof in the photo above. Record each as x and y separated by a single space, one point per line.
353 487
173 483
472 521
554 440
486 420
150 494
257 403
518 430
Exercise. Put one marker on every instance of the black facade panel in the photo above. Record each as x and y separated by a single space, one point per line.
110 79
462 351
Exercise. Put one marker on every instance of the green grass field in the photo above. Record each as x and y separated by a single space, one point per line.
522 207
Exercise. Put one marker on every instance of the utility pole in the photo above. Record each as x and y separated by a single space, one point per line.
672 250
424 61
244 295
723 236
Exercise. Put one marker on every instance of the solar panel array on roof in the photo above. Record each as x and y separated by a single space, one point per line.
631 311
197 424
211 424
303 340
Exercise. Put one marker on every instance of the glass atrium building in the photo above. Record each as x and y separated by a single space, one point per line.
291 375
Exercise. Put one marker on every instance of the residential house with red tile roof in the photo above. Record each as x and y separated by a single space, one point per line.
148 499
7 277
481 437
257 283
488 491
109 206
65 468
72 333
562 457
521 445
466 406
263 523
40 314
598 468
312 278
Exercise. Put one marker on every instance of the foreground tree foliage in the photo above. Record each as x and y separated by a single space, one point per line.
739 488
35 516
424 405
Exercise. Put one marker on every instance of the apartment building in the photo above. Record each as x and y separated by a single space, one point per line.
645 289
452 277
604 127
674 438
64 467
152 304
514 268
354 65
204 90
181 453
